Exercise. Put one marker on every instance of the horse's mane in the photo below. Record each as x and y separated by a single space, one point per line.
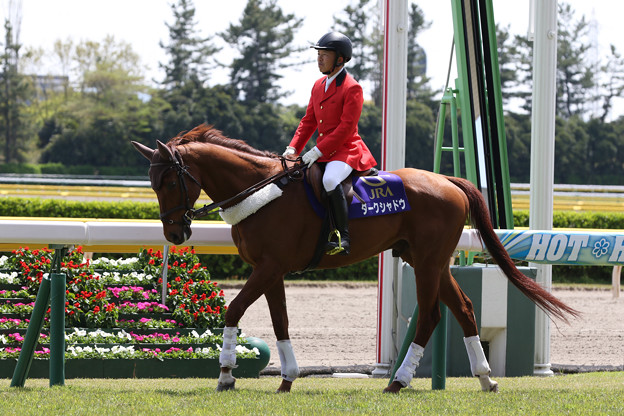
205 133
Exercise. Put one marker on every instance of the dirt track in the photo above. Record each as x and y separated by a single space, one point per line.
335 325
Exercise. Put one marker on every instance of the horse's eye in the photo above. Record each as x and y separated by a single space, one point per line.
171 185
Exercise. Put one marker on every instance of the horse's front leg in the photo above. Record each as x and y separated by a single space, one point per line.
428 284
276 298
260 278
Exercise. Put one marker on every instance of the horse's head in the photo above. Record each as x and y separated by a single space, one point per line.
176 189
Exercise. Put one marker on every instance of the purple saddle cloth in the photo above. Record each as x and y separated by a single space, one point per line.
372 195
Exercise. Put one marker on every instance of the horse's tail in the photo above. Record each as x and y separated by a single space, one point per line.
531 289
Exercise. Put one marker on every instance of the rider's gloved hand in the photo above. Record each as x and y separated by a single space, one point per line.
311 156
289 151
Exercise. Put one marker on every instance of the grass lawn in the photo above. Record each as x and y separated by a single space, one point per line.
578 394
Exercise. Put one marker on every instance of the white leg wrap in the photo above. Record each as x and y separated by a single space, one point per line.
227 358
290 369
405 373
478 363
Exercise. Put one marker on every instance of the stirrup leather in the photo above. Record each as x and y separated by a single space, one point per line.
339 248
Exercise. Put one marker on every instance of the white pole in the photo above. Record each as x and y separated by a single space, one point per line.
392 158
164 273
543 157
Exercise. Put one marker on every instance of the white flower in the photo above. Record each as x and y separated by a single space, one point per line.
194 334
102 351
241 349
208 333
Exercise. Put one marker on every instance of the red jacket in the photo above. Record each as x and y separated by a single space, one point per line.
335 114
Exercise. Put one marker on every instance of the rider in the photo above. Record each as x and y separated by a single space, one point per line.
334 110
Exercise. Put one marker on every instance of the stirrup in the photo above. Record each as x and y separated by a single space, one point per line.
339 248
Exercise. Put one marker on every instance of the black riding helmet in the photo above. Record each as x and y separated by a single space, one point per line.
336 41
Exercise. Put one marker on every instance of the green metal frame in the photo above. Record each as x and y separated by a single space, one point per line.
51 292
459 98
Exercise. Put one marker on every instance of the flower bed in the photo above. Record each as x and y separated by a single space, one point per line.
114 313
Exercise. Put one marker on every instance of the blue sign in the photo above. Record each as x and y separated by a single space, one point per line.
564 247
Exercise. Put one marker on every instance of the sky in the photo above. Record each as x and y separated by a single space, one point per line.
142 24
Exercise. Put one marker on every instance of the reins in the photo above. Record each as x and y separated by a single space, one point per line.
292 173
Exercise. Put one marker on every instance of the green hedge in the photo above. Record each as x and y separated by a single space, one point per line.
222 267
60 169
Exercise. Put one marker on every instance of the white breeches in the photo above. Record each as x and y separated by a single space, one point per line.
335 172
290 369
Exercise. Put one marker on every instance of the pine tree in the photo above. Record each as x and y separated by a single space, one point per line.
188 53
13 95
417 80
575 78
263 38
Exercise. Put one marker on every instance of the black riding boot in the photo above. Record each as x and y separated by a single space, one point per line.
339 238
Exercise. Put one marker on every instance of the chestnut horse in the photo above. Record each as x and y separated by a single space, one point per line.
280 237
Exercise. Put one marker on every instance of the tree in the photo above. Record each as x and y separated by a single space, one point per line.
14 94
188 53
186 73
110 106
515 63
360 23
356 25
417 80
613 86
263 38
575 78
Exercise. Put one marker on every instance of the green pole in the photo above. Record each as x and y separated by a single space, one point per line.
57 330
32 334
438 365
437 158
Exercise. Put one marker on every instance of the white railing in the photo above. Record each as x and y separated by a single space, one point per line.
579 247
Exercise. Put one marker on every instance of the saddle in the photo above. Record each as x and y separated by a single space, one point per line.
314 178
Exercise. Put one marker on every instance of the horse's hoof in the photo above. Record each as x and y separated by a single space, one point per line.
226 387
488 385
394 387
493 387
284 387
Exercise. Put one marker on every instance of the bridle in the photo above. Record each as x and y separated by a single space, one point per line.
181 170
293 173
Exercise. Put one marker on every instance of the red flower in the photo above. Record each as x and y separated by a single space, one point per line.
96 309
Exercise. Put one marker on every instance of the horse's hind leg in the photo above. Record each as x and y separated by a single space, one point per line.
461 307
276 299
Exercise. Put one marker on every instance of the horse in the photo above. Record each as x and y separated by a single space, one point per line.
280 235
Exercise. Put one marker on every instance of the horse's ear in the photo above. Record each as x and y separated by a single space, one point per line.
165 152
144 150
